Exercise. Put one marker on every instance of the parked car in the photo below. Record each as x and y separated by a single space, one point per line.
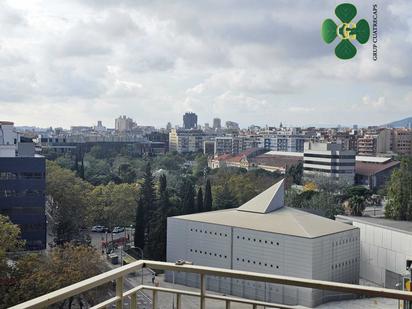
99 229
118 229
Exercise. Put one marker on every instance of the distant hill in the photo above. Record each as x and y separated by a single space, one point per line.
404 123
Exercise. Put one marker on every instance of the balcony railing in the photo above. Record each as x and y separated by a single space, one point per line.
119 274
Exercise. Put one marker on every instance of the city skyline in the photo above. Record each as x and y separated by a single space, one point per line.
73 63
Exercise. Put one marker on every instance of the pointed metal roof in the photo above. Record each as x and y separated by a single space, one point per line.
266 213
269 200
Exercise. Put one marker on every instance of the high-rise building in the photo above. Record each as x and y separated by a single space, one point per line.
329 160
217 123
22 186
190 120
124 124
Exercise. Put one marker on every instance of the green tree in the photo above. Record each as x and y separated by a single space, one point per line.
113 204
156 244
140 226
207 203
188 205
357 205
61 267
199 200
200 165
225 199
399 205
126 173
68 202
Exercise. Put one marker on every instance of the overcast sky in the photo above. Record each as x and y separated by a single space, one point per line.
260 62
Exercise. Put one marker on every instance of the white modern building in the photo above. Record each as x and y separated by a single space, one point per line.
330 160
385 246
267 237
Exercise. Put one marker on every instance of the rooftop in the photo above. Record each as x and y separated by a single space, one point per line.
372 159
369 169
400 226
267 213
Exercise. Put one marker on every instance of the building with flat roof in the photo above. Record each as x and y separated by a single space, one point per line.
182 140
329 160
265 236
385 245
22 186
374 172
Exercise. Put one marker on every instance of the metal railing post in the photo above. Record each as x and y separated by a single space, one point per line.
119 292
154 299
202 291
228 304
133 301
178 301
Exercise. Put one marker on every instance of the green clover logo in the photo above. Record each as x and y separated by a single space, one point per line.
347 31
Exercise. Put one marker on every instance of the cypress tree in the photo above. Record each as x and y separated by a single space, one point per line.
139 229
207 203
189 198
199 200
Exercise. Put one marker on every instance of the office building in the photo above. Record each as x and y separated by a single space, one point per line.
217 123
329 160
264 236
190 120
22 186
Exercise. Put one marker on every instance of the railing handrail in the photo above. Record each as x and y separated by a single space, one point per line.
79 287
120 272
286 280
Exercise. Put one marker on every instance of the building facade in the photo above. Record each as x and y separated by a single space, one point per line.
183 141
124 124
329 160
402 143
22 186
385 246
190 121
266 237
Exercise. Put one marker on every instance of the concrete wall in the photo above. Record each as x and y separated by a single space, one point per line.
382 249
336 257
242 249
